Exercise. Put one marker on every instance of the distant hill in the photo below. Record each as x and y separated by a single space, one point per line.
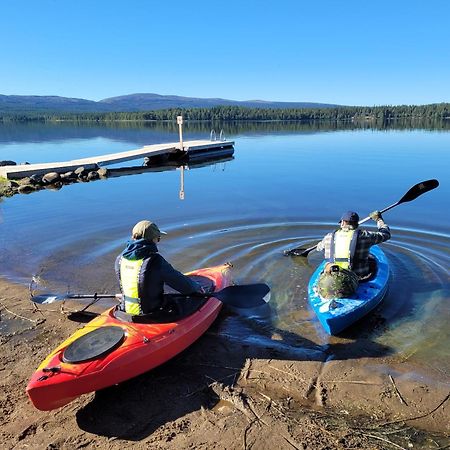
37 103
133 103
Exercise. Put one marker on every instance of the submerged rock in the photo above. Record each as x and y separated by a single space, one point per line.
26 189
54 186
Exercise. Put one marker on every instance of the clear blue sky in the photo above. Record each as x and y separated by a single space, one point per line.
346 52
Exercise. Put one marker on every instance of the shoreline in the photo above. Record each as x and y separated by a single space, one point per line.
219 394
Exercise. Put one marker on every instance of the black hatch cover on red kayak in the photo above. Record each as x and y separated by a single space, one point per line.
94 344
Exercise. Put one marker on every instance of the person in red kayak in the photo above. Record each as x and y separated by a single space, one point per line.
347 253
142 272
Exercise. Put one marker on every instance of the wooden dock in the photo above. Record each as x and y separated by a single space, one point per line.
193 148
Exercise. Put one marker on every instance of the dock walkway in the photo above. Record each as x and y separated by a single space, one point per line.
94 162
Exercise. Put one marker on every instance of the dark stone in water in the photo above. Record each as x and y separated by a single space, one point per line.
35 179
51 177
54 186
8 163
26 189
68 176
93 176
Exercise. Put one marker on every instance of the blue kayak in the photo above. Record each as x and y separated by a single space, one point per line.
337 314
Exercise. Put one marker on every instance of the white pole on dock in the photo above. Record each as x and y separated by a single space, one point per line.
180 129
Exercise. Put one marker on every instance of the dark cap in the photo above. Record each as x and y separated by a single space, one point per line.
350 216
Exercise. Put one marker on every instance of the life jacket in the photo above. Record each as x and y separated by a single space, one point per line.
130 271
343 247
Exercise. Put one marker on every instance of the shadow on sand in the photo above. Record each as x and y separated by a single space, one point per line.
134 409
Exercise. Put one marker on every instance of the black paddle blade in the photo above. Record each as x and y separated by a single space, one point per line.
299 251
419 189
244 296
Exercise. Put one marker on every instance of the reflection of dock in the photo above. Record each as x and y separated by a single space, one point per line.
173 165
193 163
172 151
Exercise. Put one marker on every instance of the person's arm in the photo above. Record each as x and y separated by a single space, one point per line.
322 245
383 233
117 267
176 280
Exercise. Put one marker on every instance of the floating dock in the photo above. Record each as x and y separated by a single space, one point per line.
190 150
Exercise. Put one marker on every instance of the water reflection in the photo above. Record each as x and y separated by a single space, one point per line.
282 188
151 132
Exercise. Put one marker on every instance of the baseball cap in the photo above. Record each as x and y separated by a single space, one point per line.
350 216
146 230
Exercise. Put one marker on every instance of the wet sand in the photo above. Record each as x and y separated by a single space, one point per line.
219 394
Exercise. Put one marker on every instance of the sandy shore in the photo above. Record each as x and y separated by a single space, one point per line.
219 394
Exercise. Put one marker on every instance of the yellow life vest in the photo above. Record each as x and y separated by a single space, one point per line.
129 281
343 247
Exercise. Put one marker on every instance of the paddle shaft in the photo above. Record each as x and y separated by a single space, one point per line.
243 296
416 191
77 296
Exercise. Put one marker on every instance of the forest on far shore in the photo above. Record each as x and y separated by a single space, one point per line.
236 113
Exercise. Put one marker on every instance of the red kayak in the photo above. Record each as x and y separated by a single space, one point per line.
110 349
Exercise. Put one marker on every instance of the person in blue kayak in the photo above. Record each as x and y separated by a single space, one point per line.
142 272
347 253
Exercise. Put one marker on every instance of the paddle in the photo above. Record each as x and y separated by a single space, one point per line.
416 191
238 296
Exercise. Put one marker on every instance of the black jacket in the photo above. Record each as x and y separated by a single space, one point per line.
154 273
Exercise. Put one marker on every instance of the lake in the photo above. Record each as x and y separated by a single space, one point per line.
286 184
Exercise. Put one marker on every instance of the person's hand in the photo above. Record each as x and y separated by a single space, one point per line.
203 291
375 215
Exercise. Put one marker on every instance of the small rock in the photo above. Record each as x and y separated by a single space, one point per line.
54 187
51 177
35 179
26 189
80 172
93 176
25 180
68 175
103 172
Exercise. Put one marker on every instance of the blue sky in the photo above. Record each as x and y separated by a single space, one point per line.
344 52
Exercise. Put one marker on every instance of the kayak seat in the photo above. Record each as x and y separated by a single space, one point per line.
175 306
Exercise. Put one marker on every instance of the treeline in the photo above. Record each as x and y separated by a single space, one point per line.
236 113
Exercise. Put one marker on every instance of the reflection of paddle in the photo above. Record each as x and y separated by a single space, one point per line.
412 194
239 296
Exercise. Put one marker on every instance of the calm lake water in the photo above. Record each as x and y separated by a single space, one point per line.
286 184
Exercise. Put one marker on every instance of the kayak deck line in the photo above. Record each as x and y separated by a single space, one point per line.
191 149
